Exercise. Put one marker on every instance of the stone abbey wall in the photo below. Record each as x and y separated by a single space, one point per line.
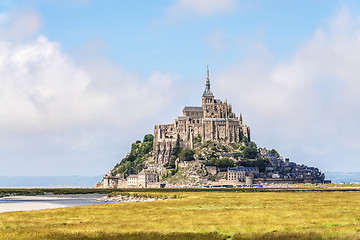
214 121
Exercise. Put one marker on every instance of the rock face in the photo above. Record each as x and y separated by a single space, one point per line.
190 174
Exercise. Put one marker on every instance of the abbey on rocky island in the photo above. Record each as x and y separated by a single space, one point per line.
213 121
209 146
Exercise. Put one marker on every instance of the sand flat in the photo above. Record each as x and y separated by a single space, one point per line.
29 203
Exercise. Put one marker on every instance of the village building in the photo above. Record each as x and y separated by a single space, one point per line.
147 178
112 181
240 173
132 180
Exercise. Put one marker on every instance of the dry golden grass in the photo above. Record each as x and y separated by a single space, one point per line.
198 215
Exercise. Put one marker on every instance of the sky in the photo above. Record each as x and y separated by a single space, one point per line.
81 80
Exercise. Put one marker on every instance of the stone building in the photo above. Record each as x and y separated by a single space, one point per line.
214 121
147 177
132 180
112 181
241 173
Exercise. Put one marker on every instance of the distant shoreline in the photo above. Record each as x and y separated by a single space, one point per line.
88 182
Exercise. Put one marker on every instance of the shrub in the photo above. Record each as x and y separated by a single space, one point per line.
238 155
187 154
176 151
197 139
223 148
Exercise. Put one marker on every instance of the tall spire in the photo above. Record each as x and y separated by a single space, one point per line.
207 76
207 92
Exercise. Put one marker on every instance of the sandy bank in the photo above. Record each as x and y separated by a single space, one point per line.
29 203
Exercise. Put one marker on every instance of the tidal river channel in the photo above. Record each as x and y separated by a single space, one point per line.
28 203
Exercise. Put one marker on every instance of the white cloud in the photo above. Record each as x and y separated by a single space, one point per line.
309 104
187 8
58 111
42 87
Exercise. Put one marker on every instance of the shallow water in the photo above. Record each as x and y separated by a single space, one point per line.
28 203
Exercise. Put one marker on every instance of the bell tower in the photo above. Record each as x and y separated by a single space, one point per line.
208 97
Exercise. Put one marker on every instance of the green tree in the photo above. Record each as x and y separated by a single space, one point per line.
273 151
250 151
253 145
148 138
176 151
224 162
260 163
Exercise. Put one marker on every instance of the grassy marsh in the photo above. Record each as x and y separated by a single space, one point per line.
199 215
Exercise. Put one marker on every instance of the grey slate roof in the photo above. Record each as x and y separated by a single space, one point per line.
243 169
207 92
197 109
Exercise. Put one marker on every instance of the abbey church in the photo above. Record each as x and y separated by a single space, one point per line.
214 121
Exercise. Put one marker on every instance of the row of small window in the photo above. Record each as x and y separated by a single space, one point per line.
194 121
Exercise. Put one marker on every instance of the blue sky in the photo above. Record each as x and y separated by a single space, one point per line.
135 33
83 79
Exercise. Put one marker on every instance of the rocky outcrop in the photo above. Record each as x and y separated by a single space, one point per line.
190 174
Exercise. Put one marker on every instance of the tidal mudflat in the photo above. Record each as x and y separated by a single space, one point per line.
28 203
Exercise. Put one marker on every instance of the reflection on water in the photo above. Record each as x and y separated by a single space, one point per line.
26 203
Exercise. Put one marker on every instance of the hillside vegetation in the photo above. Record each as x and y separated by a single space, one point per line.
134 162
210 153
215 154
